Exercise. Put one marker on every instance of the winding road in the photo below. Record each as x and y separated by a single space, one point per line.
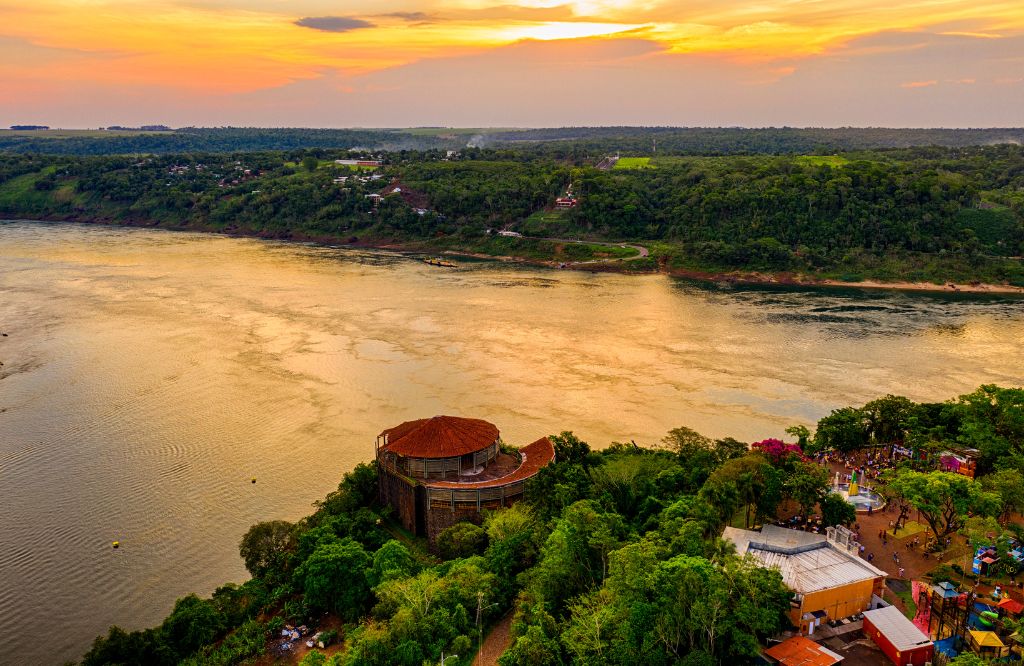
642 251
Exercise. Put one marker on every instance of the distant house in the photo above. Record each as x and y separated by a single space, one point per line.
510 234
565 202
826 573
374 198
362 163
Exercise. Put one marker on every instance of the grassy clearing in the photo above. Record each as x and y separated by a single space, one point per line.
823 160
546 216
545 223
21 189
634 163
907 597
910 528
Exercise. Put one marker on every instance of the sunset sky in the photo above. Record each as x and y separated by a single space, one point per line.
338 63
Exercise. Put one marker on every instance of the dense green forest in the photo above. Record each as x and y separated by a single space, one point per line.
737 140
216 139
926 213
565 142
613 557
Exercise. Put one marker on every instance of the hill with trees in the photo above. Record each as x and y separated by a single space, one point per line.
747 141
158 139
922 214
613 557
582 142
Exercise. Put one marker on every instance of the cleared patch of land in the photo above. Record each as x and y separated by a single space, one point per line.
634 163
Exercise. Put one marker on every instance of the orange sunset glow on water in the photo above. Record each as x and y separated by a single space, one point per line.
80 63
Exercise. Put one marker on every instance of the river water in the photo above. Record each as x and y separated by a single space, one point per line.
149 375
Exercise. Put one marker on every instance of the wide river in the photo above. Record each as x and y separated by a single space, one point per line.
148 375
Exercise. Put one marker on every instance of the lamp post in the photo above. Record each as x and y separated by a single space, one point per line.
480 608
444 658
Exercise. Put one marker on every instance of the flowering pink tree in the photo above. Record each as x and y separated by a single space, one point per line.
778 451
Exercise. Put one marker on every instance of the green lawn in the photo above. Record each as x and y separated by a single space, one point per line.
910 528
22 188
634 163
907 597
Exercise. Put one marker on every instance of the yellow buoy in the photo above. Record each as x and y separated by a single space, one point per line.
254 479
116 544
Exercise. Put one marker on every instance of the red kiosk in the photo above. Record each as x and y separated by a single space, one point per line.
898 637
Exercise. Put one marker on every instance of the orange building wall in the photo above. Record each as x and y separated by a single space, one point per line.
838 602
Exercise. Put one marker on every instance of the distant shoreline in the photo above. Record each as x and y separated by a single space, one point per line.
737 277
742 277
786 279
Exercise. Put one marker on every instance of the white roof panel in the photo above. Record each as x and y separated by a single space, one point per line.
817 569
894 625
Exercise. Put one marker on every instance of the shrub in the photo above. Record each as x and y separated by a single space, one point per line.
941 573
313 658
461 540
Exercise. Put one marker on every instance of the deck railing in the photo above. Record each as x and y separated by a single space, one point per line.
475 498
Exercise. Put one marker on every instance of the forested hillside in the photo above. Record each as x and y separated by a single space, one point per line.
613 557
738 140
946 214
565 142
215 139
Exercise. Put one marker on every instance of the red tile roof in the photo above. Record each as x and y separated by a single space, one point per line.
535 456
1012 606
800 651
440 437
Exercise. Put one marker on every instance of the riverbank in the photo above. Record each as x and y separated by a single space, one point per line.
796 280
625 265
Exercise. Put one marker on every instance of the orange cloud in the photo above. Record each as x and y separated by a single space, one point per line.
231 47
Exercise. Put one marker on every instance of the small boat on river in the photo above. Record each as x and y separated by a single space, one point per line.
438 261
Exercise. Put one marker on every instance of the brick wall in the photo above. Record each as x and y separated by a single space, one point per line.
400 496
